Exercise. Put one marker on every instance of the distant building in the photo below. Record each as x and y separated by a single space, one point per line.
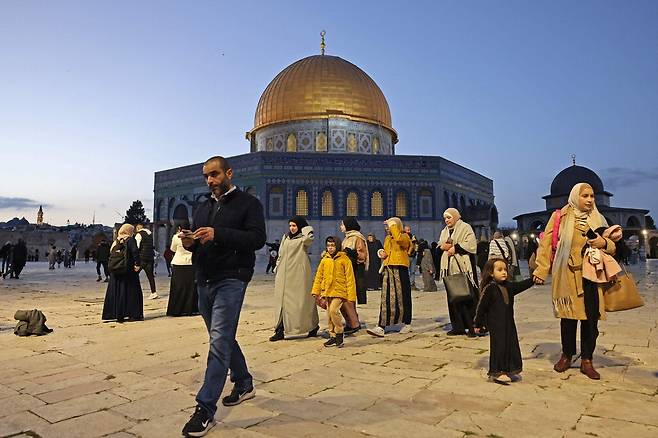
631 219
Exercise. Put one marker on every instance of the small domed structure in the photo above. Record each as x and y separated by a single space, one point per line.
569 177
572 175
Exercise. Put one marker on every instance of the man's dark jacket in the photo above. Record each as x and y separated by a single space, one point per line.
103 252
239 231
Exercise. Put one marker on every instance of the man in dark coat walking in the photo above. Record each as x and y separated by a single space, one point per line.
102 258
229 229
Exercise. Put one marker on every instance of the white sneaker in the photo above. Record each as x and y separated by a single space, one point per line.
153 296
406 329
376 331
503 378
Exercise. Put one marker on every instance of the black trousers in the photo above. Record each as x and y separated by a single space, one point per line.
147 267
105 270
461 315
270 265
589 330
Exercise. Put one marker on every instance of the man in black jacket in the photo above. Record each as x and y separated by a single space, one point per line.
102 259
228 228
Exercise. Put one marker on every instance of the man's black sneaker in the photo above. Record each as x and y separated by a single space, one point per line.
199 424
330 343
339 340
351 330
236 396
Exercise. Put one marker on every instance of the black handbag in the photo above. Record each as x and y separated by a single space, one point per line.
458 286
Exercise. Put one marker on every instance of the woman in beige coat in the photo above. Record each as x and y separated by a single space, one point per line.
296 313
574 298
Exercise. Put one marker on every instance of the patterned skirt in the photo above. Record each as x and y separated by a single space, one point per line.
395 306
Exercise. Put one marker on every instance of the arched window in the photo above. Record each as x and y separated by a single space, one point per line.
425 203
327 203
446 199
633 222
276 201
376 204
401 204
301 203
462 203
453 202
352 204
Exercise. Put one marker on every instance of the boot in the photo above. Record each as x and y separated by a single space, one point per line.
313 333
99 278
339 340
563 364
278 334
587 368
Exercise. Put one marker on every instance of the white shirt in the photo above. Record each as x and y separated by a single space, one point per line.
181 256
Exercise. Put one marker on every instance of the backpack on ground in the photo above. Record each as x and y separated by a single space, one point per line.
118 262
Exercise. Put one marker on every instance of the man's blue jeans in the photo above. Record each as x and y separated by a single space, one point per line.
220 304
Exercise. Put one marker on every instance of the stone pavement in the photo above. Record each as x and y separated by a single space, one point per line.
92 379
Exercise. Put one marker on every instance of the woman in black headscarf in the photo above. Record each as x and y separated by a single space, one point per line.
356 248
296 313
373 276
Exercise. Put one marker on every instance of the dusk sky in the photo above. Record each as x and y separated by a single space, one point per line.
96 96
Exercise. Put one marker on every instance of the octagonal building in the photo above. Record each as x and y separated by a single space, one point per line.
323 146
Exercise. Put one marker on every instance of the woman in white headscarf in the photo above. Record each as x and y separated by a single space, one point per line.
574 298
123 298
458 243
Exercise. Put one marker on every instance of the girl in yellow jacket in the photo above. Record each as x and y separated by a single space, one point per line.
334 282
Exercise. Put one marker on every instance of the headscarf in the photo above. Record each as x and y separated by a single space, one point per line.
351 223
453 212
125 232
397 222
563 297
300 221
462 234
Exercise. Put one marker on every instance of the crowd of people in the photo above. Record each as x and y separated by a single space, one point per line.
211 262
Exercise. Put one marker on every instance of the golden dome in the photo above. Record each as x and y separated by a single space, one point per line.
319 87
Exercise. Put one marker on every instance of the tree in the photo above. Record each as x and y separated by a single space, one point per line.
649 222
135 214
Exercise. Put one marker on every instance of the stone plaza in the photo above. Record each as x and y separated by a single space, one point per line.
92 379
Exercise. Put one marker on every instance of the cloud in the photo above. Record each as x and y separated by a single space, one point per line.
19 203
616 177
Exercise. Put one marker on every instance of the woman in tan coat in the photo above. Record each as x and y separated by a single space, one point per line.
574 298
296 313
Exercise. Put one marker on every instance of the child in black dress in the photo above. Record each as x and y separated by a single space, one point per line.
496 311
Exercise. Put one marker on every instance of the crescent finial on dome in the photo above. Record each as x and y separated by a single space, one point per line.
322 44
